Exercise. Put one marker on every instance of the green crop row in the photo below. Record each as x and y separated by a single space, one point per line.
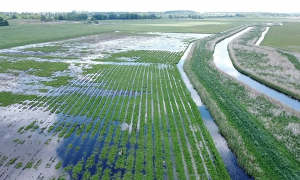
266 158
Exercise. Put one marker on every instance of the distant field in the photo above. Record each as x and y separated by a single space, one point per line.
286 37
21 32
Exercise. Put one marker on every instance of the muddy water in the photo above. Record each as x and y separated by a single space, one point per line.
223 62
229 158
262 36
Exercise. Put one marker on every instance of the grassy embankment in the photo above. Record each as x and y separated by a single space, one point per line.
262 64
240 115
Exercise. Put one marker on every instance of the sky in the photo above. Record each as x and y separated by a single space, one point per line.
286 6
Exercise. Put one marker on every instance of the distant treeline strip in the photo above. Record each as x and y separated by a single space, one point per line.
102 16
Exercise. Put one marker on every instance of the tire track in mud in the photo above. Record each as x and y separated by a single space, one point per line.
184 130
145 123
160 126
128 145
137 138
168 130
152 126
177 132
191 126
185 94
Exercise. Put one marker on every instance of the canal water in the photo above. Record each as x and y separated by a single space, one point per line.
223 62
229 158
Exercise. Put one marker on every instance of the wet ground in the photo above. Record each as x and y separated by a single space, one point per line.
79 129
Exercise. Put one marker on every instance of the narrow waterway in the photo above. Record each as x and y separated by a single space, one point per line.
223 62
229 158
262 36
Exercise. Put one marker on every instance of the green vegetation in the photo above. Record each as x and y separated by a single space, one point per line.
258 151
264 65
19 165
8 98
12 161
58 165
3 159
59 81
293 60
77 169
44 48
163 134
38 164
158 85
48 141
29 165
30 126
42 69
145 56
285 37
3 22
20 32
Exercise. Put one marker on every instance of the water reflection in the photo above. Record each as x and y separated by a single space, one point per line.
262 36
230 160
223 62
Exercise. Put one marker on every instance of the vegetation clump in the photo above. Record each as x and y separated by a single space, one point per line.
3 22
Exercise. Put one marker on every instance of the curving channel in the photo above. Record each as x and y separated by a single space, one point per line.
223 62
229 158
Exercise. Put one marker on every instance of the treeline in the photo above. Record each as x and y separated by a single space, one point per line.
65 17
94 17
124 16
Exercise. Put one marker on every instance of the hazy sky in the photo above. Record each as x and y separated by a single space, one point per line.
151 5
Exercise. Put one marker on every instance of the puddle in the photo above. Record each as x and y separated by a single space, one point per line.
126 127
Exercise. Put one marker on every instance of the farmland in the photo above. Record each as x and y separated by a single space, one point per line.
106 101
247 119
22 32
104 109
285 37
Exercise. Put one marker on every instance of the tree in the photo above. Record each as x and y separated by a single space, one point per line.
170 16
3 22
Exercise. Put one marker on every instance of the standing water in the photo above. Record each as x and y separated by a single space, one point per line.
223 62
229 158
262 36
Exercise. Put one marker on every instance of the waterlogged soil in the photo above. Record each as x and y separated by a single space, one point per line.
79 53
104 123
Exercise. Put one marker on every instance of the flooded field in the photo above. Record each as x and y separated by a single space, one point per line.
117 108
